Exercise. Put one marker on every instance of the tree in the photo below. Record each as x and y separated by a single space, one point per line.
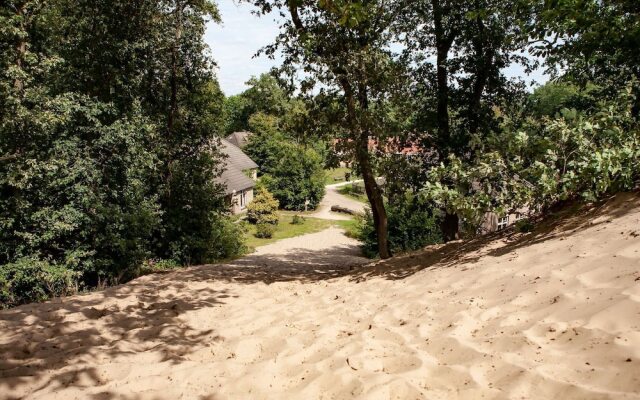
472 43
265 95
107 160
267 145
591 41
344 46
297 178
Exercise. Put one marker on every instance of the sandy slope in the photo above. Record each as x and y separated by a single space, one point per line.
554 314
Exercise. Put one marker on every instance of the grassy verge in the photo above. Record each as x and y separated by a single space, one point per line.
350 226
286 229
335 175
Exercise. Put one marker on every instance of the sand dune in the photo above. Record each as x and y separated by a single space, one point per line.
550 315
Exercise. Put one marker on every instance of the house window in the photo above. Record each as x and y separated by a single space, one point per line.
243 199
503 222
519 216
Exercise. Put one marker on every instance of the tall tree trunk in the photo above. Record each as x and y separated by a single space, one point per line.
21 48
484 59
361 139
444 41
450 227
374 194
173 107
443 45
635 107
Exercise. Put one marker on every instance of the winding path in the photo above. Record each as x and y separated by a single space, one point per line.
332 198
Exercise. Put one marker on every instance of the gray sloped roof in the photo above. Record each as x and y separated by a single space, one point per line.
234 180
239 139
237 162
236 156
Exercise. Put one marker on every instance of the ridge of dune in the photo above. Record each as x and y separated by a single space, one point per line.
551 314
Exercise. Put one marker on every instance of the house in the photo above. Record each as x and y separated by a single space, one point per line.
239 139
238 177
493 222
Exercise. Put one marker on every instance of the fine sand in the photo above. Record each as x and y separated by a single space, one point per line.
550 315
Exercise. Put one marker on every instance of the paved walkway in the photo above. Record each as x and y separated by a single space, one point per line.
333 198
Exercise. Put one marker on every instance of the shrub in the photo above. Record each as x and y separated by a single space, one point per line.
153 266
265 231
524 226
31 280
228 239
263 209
297 220
412 226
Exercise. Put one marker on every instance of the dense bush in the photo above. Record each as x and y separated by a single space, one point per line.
297 220
412 226
265 231
540 162
298 177
105 161
263 209
30 279
228 237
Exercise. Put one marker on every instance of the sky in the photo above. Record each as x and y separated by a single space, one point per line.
241 34
235 42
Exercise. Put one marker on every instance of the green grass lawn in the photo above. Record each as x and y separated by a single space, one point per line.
347 190
286 229
335 175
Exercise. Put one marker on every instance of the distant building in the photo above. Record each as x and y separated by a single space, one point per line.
239 177
239 139
493 222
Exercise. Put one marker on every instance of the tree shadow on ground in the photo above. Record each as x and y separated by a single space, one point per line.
299 264
40 340
59 344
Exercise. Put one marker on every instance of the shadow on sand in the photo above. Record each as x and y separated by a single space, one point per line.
38 340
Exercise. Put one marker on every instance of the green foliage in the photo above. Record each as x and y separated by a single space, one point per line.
524 226
298 177
106 161
412 226
265 230
155 266
297 220
541 162
235 114
30 279
264 125
263 209
585 155
266 149
264 96
549 99
228 238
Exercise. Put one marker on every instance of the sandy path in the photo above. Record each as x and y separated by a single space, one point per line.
333 197
555 314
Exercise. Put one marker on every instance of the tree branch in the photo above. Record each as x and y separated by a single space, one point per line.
9 157
295 17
